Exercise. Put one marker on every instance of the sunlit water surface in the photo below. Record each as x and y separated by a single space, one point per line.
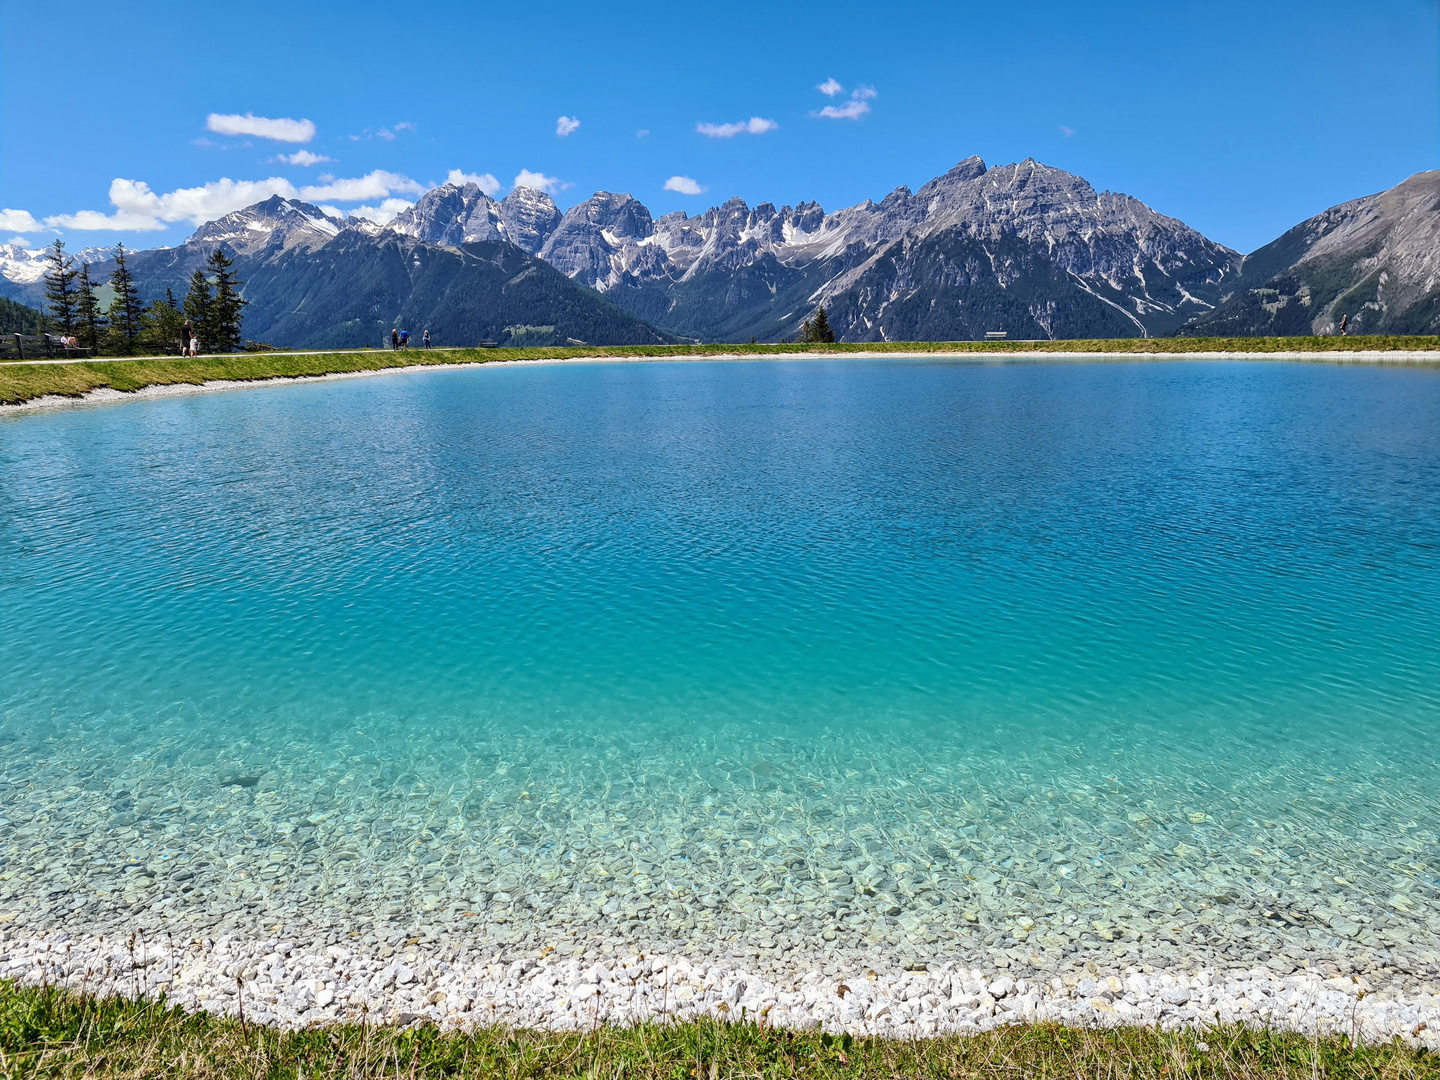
1037 661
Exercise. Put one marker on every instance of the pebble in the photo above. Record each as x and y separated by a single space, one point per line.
771 860
457 990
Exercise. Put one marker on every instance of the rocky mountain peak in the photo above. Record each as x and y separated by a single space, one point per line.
1375 260
275 222
449 215
454 214
592 233
621 215
528 217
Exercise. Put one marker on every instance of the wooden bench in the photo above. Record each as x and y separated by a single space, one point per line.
38 346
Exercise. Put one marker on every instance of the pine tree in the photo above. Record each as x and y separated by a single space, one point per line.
820 331
161 333
198 302
60 288
227 309
126 314
87 311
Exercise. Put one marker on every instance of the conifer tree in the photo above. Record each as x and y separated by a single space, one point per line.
126 314
87 311
198 301
227 309
60 288
820 331
161 332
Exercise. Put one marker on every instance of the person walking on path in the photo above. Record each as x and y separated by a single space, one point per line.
404 339
394 338
1344 322
185 335
194 345
425 340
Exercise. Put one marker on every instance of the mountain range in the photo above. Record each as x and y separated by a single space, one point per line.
1026 249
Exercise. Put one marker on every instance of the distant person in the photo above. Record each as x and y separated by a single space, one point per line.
186 333
1344 322
425 340
194 345
404 339
394 338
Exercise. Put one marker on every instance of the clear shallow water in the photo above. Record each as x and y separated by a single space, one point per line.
886 656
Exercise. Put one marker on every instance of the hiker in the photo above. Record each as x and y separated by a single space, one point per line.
394 338
1344 322
185 335
404 339
425 340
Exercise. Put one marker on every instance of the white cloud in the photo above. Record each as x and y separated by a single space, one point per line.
856 107
484 181
386 134
684 185
95 221
19 241
1066 131
373 185
756 125
830 88
405 126
281 130
138 209
304 157
538 181
642 133
567 125
384 213
18 221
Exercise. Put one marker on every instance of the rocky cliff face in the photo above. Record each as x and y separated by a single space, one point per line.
455 214
527 218
593 234
276 222
1375 259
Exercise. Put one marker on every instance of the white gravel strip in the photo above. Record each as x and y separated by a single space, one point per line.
283 986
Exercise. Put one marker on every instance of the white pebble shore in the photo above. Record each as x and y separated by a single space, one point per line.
289 988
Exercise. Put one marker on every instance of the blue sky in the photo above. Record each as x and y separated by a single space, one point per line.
1241 118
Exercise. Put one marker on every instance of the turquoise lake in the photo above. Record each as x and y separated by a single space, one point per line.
1044 662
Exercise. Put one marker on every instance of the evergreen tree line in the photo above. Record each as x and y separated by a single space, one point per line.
212 306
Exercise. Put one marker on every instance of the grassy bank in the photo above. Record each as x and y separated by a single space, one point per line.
22 382
46 1032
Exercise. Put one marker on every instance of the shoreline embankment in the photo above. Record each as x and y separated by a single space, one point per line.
283 986
30 385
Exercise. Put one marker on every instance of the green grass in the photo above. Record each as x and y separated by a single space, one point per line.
54 1033
22 382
